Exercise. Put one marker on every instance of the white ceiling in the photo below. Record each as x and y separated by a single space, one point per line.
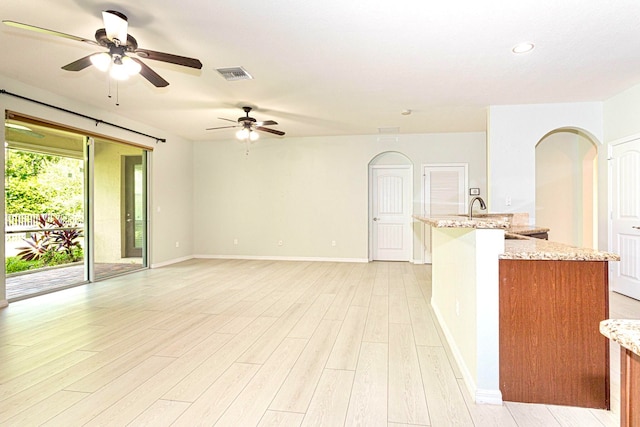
336 67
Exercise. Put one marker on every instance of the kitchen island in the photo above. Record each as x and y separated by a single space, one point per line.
626 332
520 314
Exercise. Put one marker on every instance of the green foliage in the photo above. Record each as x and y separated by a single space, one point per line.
23 164
36 183
16 265
49 242
49 258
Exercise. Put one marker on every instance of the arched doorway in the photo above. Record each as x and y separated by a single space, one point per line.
566 187
390 207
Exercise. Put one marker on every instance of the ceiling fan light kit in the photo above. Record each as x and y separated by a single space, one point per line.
120 65
250 127
102 61
116 25
117 61
246 134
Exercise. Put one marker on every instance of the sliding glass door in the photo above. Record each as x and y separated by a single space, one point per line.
76 208
119 208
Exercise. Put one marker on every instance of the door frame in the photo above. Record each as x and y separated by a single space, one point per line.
129 162
409 204
610 189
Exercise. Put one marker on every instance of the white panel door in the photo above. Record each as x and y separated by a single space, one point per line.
625 218
391 213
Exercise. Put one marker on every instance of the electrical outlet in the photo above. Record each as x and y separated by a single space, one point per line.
279 242
333 243
177 244
507 201
235 241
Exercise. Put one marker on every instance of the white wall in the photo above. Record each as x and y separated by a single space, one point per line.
465 300
565 174
307 192
514 131
621 114
171 165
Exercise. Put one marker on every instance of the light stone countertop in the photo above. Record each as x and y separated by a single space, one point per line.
625 332
538 249
517 245
462 221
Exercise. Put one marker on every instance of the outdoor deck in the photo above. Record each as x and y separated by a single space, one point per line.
38 282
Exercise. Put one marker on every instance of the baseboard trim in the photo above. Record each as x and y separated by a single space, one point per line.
480 396
172 261
488 397
4 303
281 258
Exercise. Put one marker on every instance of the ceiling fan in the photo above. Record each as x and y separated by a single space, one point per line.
249 125
118 60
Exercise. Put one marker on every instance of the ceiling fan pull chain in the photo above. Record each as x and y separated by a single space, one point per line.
117 94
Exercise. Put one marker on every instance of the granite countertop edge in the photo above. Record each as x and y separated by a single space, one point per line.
517 245
625 332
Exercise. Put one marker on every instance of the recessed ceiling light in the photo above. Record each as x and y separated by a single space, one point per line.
406 112
523 47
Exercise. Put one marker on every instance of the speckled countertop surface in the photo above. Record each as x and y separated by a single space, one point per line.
625 332
537 249
526 230
518 245
462 221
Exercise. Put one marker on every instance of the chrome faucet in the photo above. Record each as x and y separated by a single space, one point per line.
483 206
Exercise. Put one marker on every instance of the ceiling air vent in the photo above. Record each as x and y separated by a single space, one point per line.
234 73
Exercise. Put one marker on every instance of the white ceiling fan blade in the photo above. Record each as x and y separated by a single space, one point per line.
115 24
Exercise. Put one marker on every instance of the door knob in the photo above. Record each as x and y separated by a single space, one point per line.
637 227
375 219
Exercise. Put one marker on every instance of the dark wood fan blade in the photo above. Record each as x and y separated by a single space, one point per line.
267 123
222 127
167 57
229 120
46 31
153 77
273 131
78 65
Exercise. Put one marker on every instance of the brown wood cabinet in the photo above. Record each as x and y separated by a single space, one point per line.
629 388
551 350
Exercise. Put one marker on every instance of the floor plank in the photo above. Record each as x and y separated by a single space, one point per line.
344 354
296 391
250 405
330 400
445 400
368 404
407 402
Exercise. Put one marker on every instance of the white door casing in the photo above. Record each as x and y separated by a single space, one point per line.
625 217
391 208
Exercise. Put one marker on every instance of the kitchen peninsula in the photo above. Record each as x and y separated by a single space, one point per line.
520 314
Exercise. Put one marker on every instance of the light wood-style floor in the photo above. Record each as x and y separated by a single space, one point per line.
250 343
